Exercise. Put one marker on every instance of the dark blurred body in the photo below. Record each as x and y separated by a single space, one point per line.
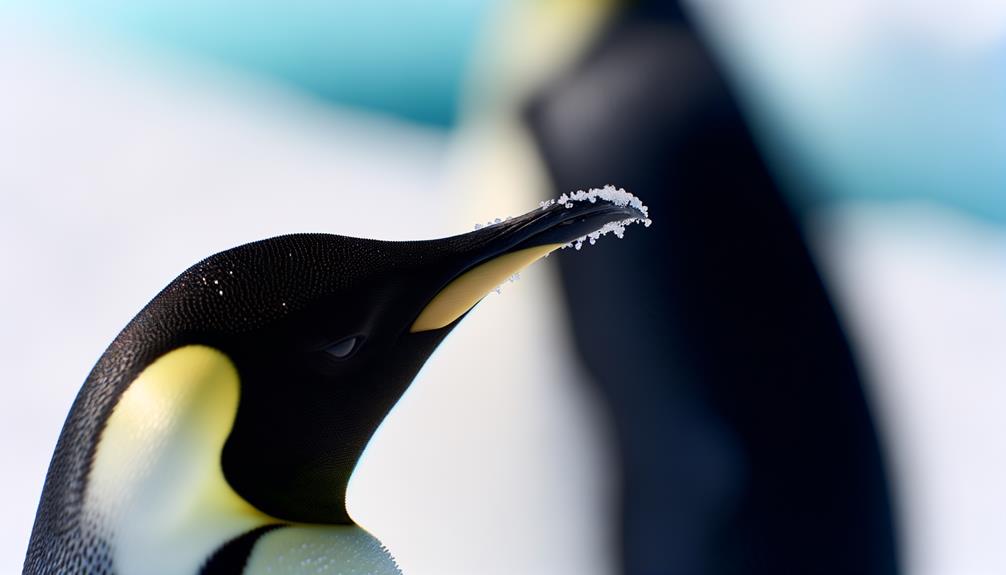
745 440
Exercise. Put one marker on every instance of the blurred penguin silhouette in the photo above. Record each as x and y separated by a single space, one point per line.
745 440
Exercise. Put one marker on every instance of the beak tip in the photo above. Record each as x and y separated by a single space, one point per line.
581 216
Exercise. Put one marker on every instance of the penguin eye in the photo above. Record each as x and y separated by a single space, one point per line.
343 348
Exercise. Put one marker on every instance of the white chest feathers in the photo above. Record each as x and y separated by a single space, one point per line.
157 491
329 550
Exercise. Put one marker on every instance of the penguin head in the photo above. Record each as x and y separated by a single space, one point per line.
326 333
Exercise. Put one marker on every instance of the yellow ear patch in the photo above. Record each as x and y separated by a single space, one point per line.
156 485
464 292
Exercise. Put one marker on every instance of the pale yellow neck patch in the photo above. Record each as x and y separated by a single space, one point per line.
156 487
470 287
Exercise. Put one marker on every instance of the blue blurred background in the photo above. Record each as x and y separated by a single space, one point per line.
799 368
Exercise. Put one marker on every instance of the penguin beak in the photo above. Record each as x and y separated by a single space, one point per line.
496 252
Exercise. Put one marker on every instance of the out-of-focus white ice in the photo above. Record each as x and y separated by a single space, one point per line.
921 291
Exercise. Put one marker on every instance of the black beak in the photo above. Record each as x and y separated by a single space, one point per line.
481 260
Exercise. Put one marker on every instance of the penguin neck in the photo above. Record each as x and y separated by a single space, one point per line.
157 493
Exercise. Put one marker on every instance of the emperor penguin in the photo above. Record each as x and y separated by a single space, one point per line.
218 431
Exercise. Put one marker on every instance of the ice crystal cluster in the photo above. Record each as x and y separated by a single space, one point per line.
609 193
